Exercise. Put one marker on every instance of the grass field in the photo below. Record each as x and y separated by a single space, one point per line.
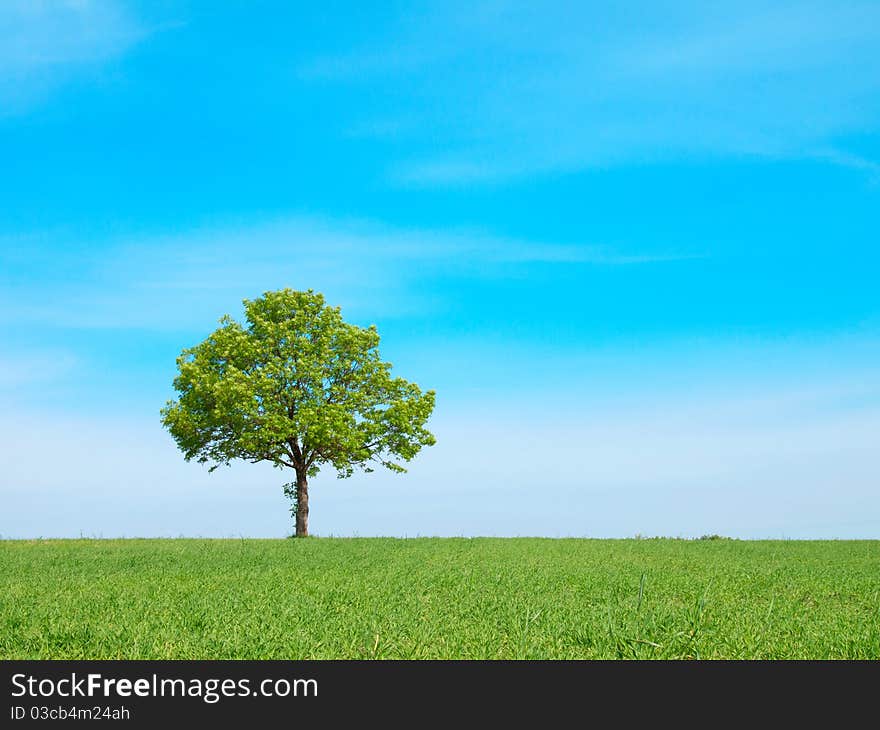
439 598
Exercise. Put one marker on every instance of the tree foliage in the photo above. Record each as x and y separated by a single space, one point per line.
296 386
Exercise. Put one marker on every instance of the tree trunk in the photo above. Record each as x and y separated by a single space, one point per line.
302 505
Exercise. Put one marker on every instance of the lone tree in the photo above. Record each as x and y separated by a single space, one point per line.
297 387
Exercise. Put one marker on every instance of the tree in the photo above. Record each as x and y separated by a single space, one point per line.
300 388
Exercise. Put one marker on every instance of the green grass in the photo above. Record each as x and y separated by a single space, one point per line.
439 598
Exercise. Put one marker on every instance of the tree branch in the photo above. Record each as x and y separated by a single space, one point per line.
274 459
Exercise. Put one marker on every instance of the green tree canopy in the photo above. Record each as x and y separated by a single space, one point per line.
300 388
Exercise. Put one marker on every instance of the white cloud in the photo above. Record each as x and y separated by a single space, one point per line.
744 41
176 281
43 43
450 172
513 89
779 462
27 368
847 159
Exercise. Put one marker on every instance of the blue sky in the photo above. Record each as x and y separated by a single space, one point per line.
633 246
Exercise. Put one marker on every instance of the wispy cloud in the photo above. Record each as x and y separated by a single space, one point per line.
762 465
449 172
176 280
387 61
27 368
513 90
752 40
45 43
848 159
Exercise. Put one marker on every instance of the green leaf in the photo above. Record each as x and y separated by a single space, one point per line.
299 387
